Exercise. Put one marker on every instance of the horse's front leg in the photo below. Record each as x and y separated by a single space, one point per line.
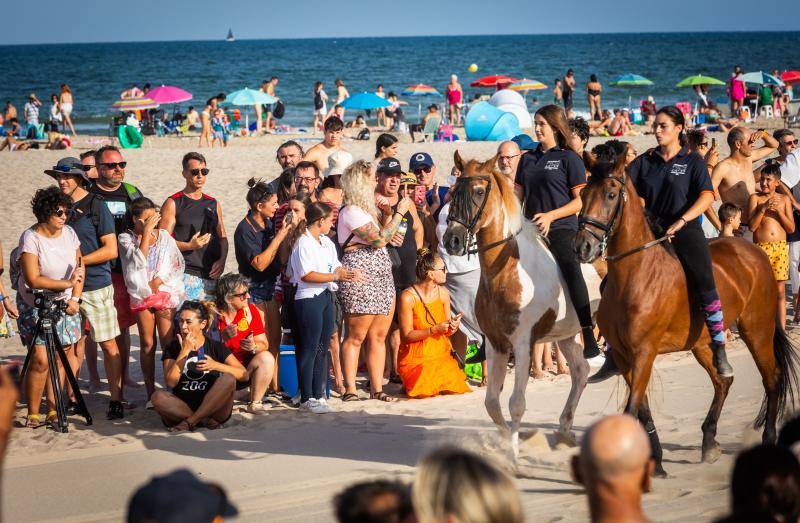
579 372
497 363
638 378
516 405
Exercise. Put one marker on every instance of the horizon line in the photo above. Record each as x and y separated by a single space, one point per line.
385 37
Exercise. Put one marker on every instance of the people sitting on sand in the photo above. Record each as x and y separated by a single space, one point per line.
600 128
649 110
620 125
201 374
425 361
455 485
433 114
394 113
238 324
615 467
192 119
12 144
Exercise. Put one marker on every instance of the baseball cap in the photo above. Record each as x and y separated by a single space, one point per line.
68 165
390 166
420 160
525 142
177 497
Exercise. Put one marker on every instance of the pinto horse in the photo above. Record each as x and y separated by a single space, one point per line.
521 298
646 310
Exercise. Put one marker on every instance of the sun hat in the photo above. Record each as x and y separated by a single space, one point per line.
337 163
71 166
390 166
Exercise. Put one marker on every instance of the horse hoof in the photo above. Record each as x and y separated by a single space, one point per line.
566 438
712 454
659 472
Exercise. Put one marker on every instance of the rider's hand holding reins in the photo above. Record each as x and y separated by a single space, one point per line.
675 227
543 221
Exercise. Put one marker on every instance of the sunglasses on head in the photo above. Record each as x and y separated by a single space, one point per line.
200 172
114 165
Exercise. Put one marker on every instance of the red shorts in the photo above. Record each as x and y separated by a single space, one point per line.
122 302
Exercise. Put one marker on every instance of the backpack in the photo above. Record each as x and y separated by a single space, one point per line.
279 110
14 269
132 191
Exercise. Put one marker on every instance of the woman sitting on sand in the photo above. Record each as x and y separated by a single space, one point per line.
238 325
425 362
201 373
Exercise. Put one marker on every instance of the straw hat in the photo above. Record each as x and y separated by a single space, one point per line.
337 163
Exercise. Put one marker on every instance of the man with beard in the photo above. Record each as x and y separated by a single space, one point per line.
508 155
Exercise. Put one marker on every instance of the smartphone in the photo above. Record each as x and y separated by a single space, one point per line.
288 216
201 352
419 194
713 143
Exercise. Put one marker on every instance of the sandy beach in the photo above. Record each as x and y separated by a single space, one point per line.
287 466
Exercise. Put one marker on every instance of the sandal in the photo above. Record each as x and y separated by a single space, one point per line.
33 421
382 396
350 396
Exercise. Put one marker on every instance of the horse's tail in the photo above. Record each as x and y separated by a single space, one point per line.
787 362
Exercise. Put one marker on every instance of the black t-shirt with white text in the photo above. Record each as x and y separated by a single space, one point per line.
194 384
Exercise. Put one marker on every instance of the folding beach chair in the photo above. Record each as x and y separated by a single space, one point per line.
430 129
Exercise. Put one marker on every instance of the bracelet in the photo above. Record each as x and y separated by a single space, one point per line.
2 297
397 213
684 220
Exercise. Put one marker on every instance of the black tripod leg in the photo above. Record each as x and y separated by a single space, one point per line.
73 382
25 366
50 340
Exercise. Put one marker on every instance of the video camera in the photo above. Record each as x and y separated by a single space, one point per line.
47 303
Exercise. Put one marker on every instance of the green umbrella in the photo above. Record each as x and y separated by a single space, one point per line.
691 81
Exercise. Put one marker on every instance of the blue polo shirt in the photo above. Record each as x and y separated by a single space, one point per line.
82 219
669 188
250 240
547 179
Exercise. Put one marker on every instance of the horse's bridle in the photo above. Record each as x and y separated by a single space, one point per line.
608 228
469 222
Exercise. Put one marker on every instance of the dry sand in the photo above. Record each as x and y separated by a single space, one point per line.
286 466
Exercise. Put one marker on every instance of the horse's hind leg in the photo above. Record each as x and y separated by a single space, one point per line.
646 419
516 404
579 371
497 363
759 335
711 451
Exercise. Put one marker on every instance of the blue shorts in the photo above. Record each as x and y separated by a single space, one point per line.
67 328
261 291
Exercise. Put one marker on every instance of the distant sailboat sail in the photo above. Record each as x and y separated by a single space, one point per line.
230 37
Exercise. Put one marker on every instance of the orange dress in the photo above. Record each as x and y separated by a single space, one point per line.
426 367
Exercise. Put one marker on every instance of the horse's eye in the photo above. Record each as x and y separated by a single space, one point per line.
612 196
479 191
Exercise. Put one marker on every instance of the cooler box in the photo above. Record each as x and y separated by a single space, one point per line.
288 375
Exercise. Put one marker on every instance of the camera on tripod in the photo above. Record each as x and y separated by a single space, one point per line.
45 300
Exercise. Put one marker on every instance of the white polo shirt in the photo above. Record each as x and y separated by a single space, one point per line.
310 255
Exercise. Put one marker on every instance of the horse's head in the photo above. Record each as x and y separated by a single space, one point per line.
470 207
603 198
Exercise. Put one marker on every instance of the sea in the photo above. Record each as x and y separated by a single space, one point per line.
98 72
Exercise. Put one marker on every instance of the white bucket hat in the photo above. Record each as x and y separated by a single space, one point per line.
337 163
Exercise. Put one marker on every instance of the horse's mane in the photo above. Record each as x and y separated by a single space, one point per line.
512 207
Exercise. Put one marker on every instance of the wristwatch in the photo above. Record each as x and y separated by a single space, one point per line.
77 300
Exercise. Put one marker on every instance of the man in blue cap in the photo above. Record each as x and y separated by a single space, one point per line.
421 164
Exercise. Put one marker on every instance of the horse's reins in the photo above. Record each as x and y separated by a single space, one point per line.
460 205
608 227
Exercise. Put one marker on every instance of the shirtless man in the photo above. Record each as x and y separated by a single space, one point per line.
733 178
331 142
614 466
770 220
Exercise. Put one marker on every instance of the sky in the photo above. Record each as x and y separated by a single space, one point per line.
157 20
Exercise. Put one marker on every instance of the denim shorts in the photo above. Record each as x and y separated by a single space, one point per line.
261 291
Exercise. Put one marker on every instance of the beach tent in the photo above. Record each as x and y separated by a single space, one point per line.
486 122
510 101
129 137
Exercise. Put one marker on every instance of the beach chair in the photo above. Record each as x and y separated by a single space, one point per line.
430 129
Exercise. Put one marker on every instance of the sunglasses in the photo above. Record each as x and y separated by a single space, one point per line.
113 165
60 213
87 168
420 170
241 295
792 142
200 172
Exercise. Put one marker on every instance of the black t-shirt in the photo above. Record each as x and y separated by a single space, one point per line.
91 219
547 180
118 202
669 188
193 384
405 275
197 216
250 240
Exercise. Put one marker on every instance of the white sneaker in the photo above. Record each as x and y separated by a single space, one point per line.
596 361
315 406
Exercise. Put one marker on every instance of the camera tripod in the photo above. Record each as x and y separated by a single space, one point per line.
45 328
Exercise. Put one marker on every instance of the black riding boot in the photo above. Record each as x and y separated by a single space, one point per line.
608 370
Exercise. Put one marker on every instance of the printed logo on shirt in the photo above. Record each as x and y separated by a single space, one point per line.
552 165
116 208
678 169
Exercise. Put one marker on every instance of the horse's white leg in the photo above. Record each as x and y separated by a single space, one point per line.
579 372
516 405
497 364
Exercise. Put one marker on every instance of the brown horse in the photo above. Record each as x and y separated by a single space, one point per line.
645 309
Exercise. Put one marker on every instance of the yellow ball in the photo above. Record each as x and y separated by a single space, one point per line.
473 68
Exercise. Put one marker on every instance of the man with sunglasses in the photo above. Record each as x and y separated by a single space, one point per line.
195 221
428 208
117 195
87 159
92 222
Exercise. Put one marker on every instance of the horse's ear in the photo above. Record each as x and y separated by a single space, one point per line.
459 163
620 165
589 160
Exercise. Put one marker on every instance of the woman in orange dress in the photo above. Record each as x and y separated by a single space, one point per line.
426 364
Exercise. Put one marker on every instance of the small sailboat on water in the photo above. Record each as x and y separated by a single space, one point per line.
230 37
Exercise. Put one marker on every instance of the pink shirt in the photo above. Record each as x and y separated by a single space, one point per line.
352 217
57 258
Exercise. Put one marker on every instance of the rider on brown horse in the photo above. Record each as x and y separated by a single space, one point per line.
676 189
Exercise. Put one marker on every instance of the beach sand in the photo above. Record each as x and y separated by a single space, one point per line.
287 466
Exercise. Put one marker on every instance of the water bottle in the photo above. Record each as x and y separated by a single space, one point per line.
402 229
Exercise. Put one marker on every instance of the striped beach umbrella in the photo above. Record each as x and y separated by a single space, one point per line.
134 104
631 80
420 90
761 78
526 84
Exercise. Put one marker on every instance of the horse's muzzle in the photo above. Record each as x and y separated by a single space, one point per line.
587 248
455 239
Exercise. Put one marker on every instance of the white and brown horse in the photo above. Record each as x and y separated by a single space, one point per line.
522 298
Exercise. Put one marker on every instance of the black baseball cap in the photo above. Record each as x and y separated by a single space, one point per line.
178 497
390 166
418 160
71 166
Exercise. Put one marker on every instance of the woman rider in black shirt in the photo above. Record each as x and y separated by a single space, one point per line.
676 189
551 178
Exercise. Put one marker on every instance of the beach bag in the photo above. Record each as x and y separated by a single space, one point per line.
14 270
363 134
279 110
158 301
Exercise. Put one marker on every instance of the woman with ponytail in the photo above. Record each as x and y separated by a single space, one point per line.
676 189
426 363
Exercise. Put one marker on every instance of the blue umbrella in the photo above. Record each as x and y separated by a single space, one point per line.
365 101
249 97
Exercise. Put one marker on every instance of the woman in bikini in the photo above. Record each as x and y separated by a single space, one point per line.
65 99
593 90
